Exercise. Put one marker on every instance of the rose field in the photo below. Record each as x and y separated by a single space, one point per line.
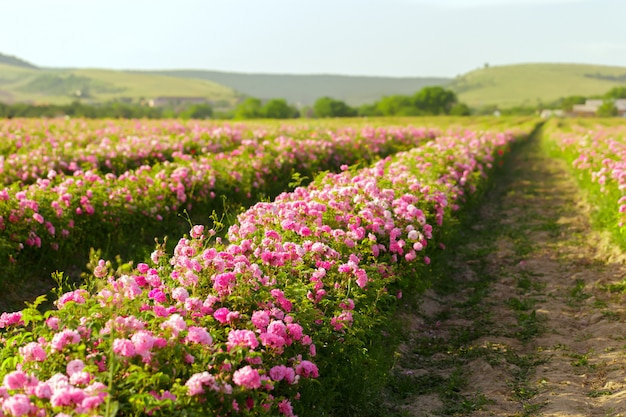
394 267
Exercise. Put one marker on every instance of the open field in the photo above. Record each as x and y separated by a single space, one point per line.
408 267
532 84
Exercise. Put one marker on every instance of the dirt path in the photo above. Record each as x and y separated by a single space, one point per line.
522 320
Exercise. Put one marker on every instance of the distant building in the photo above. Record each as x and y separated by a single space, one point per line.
176 101
584 109
591 106
620 104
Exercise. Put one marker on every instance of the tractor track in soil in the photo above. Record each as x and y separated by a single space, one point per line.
521 320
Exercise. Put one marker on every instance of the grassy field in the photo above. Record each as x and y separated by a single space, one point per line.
57 86
531 84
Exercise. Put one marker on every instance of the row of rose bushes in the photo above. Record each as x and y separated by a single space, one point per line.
62 212
597 155
31 149
248 325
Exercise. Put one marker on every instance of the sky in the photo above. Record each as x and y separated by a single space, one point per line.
442 38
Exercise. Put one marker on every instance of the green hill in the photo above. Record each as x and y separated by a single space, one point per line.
58 86
504 86
531 84
15 61
305 89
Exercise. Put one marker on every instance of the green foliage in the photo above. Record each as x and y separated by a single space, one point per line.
607 109
277 108
434 100
427 101
460 109
369 110
113 110
394 105
567 103
329 107
197 111
616 92
250 108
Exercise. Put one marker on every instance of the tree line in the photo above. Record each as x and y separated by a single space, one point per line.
427 101
113 110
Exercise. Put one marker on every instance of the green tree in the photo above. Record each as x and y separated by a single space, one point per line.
277 108
607 109
369 110
568 103
434 100
460 109
197 111
329 107
394 105
250 108
616 92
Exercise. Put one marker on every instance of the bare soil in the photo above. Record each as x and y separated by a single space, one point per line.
523 320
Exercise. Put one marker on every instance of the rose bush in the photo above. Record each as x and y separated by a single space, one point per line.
243 325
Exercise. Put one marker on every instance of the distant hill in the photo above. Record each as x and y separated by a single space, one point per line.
305 89
504 86
15 61
530 84
58 86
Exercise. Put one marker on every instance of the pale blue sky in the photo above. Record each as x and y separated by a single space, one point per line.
360 37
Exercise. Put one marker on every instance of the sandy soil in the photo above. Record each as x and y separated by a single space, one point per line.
550 338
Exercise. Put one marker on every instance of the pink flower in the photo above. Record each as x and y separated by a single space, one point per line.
65 396
73 366
244 338
43 390
92 402
175 323
142 268
196 383
17 405
180 294
64 338
77 296
143 341
157 295
272 340
260 319
247 377
80 378
198 335
123 347
15 380
307 369
221 315
196 231
33 351
285 408
278 372
295 331
9 319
